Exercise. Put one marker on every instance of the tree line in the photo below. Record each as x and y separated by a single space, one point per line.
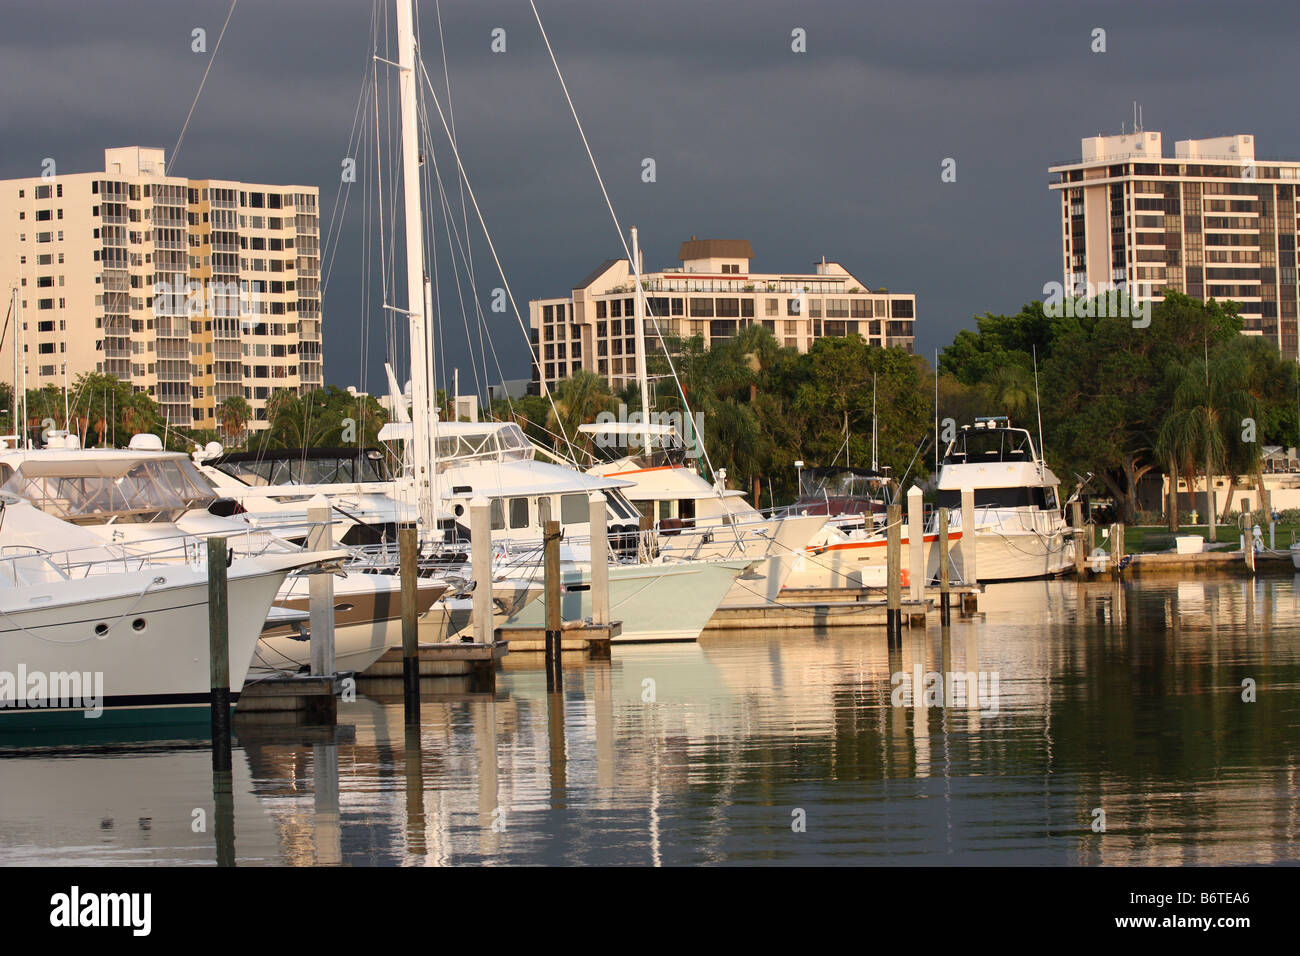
1185 394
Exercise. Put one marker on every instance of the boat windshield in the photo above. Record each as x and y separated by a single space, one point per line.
498 443
982 445
119 490
312 468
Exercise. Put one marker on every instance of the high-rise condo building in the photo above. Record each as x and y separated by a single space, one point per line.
192 290
1210 221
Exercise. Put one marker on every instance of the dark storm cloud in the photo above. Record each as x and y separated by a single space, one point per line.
835 152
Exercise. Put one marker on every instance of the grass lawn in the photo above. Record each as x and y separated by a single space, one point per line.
1141 538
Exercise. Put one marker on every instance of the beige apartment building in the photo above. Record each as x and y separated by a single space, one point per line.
712 294
1210 221
192 290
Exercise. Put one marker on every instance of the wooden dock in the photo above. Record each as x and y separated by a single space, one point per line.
1204 562
837 607
447 659
575 636
315 696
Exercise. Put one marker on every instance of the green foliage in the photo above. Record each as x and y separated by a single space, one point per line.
326 417
1121 401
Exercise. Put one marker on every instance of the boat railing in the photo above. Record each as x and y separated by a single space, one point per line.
113 556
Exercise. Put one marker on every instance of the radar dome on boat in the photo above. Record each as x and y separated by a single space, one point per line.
145 441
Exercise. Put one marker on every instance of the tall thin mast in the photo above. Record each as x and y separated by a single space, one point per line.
421 458
21 330
13 343
642 380
875 466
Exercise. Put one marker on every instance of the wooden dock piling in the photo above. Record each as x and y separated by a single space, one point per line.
554 617
321 590
1080 552
408 555
219 652
916 541
480 534
969 572
945 574
893 573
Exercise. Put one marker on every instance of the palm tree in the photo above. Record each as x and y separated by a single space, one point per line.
233 416
1013 390
578 400
1208 401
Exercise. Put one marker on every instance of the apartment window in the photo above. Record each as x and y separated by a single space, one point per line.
42 192
792 307
771 307
616 308
701 308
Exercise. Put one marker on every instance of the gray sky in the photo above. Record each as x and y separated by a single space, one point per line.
833 152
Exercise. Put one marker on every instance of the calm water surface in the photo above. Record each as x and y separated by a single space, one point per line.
762 748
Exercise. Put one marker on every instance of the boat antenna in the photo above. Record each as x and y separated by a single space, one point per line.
936 411
875 465
1039 406
917 454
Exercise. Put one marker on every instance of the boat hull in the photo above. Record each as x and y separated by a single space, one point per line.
657 602
153 656
367 621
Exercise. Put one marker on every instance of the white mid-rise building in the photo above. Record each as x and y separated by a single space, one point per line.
711 294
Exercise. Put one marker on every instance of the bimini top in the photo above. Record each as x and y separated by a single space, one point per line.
95 486
469 441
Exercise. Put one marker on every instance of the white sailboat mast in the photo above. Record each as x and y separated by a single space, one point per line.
13 343
421 446
642 380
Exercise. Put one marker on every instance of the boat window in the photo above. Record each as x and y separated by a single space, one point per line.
543 511
519 512
573 509
665 510
621 507
1000 498
498 515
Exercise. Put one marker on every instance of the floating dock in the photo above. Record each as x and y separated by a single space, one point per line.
574 636
447 659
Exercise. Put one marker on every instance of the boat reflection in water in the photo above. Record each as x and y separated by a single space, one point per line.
782 748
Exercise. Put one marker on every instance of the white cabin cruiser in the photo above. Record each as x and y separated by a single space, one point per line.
1020 532
87 628
156 504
